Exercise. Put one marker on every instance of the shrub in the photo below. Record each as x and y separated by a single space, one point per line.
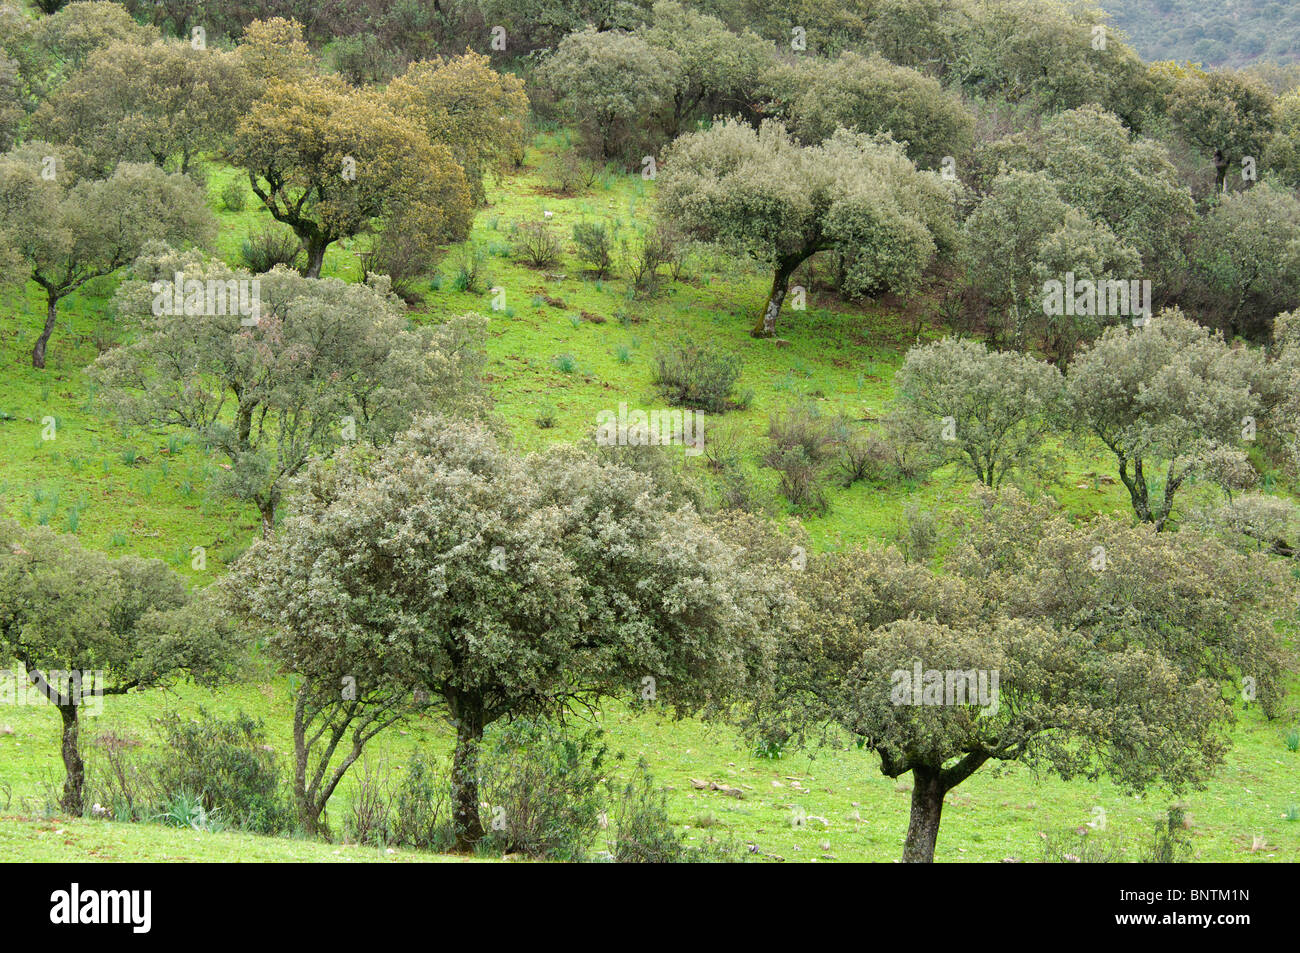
402 259
369 818
644 261
803 427
545 789
568 172
536 245
909 441
1072 847
227 764
691 374
918 534
595 246
737 492
360 60
121 782
642 832
420 806
262 251
864 457
723 445
468 274
1171 843
234 196
801 478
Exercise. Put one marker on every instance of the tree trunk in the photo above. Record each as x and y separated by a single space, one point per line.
51 314
309 808
268 518
923 826
766 327
464 779
315 257
76 771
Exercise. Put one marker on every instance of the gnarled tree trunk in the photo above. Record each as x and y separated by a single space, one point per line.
74 783
464 774
51 315
923 825
785 267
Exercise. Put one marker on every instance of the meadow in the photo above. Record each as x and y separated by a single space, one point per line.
562 347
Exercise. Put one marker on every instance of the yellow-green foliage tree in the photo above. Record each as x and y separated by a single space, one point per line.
465 105
148 103
331 162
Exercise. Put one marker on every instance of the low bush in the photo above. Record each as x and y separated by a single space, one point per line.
567 172
263 250
594 244
228 765
234 196
404 262
545 789
691 374
536 244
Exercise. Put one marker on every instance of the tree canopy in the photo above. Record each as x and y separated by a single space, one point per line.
321 363
761 193
331 163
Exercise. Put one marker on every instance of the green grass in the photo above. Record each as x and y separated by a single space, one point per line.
151 494
64 840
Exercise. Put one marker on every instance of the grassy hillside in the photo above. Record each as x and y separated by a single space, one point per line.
566 347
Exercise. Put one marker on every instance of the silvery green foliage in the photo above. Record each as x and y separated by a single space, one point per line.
1002 404
760 193
502 585
62 42
68 230
717 71
1247 256
1022 234
148 103
1253 520
68 609
1160 397
1283 381
1043 54
604 580
1283 152
327 362
1224 114
1130 671
871 94
1121 181
11 103
615 85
